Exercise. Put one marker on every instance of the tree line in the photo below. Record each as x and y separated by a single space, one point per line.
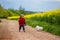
4 13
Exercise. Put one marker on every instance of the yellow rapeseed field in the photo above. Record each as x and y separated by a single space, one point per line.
48 13
27 16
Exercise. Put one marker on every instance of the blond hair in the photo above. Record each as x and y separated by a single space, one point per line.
22 15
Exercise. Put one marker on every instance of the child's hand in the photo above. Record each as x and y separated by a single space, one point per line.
24 24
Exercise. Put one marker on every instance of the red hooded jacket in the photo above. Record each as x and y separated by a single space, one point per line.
21 21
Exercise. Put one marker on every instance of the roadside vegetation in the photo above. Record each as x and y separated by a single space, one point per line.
49 20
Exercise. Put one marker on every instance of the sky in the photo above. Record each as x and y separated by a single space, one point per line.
31 5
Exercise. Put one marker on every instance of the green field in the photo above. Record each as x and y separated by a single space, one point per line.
50 20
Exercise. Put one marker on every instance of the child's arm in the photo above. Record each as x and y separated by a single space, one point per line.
25 23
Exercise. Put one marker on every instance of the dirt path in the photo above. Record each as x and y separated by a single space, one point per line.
9 31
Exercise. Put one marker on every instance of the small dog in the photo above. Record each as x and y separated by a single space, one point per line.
38 28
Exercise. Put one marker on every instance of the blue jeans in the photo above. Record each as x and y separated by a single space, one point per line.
22 27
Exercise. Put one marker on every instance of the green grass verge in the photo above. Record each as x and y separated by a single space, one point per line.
51 28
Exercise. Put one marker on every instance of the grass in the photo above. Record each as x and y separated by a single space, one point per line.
51 28
49 21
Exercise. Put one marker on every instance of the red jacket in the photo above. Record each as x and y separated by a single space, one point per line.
21 21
